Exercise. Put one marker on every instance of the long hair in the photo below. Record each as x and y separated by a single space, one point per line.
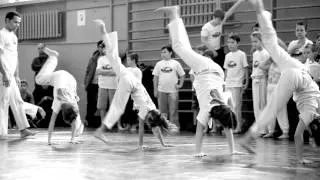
224 115
154 119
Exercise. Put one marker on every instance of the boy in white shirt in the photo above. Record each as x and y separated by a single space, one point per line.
64 93
294 80
297 46
168 79
237 77
107 82
259 76
211 32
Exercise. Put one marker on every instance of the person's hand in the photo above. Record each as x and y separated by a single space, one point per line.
200 155
178 86
6 80
305 161
74 142
168 145
238 153
244 87
42 112
143 147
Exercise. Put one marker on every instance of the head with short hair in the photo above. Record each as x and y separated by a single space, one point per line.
23 85
256 27
218 16
100 47
167 52
224 115
69 112
233 41
256 41
301 30
12 20
133 59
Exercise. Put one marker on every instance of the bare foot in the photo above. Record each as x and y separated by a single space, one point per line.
200 155
99 135
171 11
26 132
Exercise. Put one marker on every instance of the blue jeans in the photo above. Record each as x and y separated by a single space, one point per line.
168 104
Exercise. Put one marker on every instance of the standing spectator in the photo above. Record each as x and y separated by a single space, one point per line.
167 73
91 86
297 46
107 82
9 73
211 32
237 77
259 76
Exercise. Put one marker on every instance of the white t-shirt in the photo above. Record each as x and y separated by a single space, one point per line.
235 62
136 72
67 83
293 43
9 46
106 82
168 72
259 56
208 30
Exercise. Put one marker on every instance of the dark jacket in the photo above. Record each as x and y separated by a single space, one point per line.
91 69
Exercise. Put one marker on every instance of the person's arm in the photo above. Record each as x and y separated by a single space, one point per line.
191 78
181 81
246 78
16 73
225 74
141 132
231 10
155 85
298 140
157 133
230 138
51 126
199 140
5 78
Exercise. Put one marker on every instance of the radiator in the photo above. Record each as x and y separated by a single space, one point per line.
41 25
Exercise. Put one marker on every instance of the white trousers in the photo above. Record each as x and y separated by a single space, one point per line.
259 95
282 116
11 96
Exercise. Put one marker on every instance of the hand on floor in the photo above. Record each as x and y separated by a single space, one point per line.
200 155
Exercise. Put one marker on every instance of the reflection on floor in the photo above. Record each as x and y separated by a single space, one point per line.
33 159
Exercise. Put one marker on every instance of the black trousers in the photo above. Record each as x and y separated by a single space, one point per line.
92 98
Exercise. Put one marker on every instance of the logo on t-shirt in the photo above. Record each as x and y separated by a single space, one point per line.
256 64
107 67
232 64
167 70
217 34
